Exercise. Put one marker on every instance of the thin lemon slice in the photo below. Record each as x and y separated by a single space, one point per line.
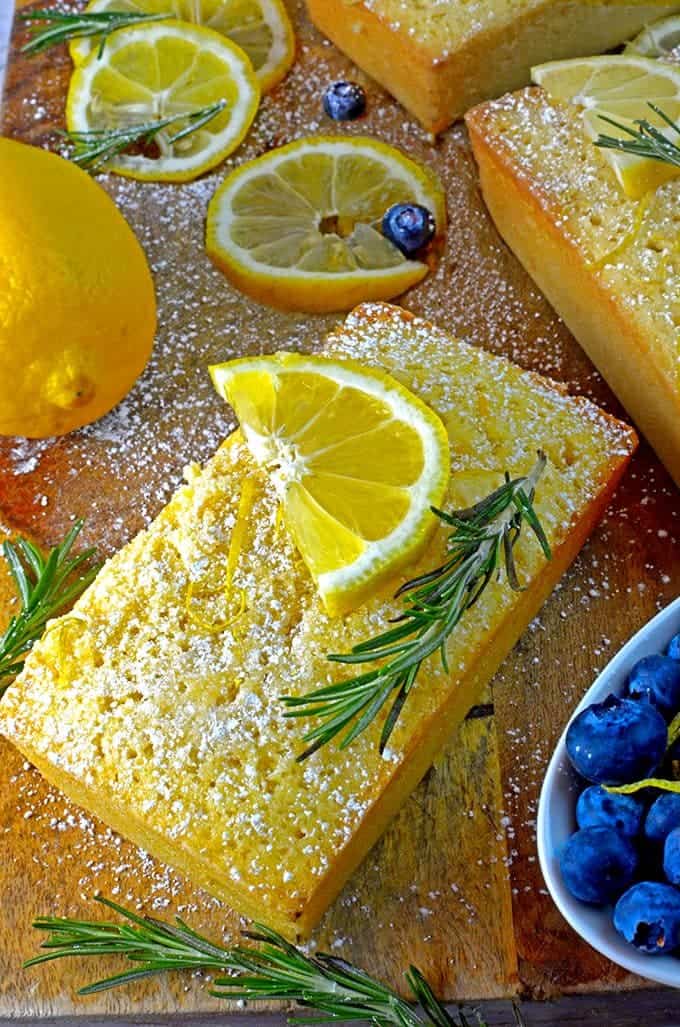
299 228
660 39
620 87
156 70
260 27
357 461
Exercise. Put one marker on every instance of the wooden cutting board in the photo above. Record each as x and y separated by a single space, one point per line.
454 885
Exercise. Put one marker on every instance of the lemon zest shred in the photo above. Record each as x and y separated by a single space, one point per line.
279 522
628 238
673 731
648 782
59 623
245 505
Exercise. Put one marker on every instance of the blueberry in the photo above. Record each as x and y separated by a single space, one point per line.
674 648
598 864
657 679
617 741
671 856
344 101
648 916
663 817
409 226
598 808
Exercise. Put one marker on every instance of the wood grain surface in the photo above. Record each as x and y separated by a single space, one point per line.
454 886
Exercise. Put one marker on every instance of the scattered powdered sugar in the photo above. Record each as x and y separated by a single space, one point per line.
471 822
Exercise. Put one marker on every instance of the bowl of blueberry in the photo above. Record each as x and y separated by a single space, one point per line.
609 814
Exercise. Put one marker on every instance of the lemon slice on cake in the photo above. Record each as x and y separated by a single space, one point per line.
299 228
619 87
660 39
156 70
260 27
357 461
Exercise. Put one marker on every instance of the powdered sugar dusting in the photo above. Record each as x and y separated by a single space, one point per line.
469 825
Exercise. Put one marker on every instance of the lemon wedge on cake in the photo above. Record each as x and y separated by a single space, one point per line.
660 39
619 87
260 27
299 228
357 461
156 70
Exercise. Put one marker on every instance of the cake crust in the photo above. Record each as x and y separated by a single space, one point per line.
173 733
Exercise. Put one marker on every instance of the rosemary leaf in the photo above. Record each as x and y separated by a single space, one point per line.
646 140
49 27
93 149
271 969
480 546
46 587
431 1006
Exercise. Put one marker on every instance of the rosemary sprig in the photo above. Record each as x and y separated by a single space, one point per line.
274 969
46 586
646 140
49 27
94 148
480 546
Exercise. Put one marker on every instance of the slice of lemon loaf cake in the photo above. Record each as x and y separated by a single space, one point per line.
439 57
145 709
609 264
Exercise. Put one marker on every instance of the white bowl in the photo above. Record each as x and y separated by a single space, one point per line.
557 813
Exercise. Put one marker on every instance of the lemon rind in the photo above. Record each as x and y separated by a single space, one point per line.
282 55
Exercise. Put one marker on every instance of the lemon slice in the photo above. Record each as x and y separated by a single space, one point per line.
357 461
260 27
660 39
299 228
621 88
156 70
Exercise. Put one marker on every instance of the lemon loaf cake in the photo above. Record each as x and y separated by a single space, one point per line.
439 57
610 265
171 730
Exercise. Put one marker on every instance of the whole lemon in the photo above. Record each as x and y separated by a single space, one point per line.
77 303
